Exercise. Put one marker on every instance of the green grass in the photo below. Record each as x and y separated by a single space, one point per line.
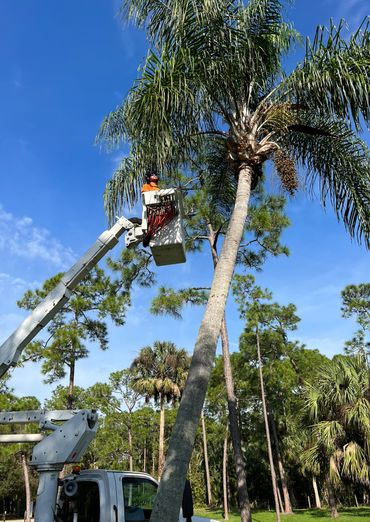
300 515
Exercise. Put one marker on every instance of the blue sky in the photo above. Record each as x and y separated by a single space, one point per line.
64 65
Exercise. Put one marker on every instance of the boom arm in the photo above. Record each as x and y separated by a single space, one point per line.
66 444
11 349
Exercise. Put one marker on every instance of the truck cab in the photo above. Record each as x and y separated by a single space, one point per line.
111 496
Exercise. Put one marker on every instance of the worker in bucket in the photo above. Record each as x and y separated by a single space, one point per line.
151 182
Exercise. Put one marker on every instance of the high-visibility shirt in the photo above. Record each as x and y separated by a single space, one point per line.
149 187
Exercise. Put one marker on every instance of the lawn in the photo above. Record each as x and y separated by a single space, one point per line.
300 515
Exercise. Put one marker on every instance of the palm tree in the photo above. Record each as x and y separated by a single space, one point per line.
159 373
207 217
215 222
214 73
338 402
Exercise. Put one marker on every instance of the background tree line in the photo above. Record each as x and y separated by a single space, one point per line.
318 413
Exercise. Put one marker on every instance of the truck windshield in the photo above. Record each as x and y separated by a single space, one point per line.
139 494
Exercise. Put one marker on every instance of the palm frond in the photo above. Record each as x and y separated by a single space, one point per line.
219 175
112 130
334 77
358 416
312 400
355 463
334 473
307 129
124 188
232 44
311 460
329 433
339 162
159 110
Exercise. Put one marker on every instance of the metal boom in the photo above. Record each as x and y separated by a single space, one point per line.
11 349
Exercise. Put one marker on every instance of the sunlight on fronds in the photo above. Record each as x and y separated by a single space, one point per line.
310 460
338 403
312 400
358 415
329 434
334 469
355 464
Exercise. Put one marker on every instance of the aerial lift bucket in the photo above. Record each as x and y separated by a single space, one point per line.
162 219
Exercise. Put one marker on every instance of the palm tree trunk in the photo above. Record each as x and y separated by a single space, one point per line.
27 488
170 490
71 385
161 438
269 449
331 499
224 479
287 504
206 462
243 497
316 492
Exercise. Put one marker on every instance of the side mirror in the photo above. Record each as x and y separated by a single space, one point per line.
187 502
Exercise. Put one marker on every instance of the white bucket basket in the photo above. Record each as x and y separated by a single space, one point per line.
168 242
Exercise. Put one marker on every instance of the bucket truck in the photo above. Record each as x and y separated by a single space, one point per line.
92 495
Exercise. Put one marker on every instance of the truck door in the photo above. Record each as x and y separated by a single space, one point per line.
138 495
83 506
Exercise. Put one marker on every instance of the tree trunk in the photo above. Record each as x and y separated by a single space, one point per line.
243 497
71 385
272 469
170 490
224 480
153 461
287 504
27 488
281 507
206 463
130 449
244 505
144 458
316 492
161 438
331 499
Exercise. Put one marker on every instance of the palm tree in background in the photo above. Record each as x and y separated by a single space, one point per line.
338 402
159 373
214 76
